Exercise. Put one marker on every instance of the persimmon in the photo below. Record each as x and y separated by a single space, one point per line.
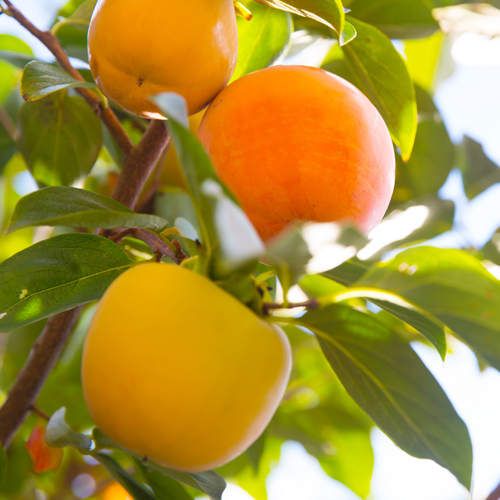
177 369
115 492
138 49
296 143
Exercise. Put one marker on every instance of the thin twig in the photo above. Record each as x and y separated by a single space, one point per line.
160 247
7 123
40 413
52 43
267 307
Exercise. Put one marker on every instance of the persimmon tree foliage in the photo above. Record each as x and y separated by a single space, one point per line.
111 197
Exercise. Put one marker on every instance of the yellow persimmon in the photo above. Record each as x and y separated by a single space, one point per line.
138 49
176 369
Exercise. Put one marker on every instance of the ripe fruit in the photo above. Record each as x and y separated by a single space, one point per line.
138 49
115 492
177 369
296 143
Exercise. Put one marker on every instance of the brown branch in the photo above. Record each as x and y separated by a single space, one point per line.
29 382
137 168
495 494
7 123
40 413
172 250
107 116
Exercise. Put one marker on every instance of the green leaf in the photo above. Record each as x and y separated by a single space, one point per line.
41 79
413 222
174 204
387 379
425 323
164 488
15 50
80 17
262 39
60 137
56 275
3 464
380 72
59 434
348 272
68 206
478 171
453 286
433 155
136 490
289 255
327 12
239 242
348 34
398 19
209 482
72 27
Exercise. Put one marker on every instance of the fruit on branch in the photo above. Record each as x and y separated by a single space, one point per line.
296 143
138 49
176 369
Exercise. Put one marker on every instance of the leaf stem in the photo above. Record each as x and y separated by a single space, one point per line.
267 307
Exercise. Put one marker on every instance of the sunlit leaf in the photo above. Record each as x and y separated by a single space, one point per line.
379 71
327 12
388 380
55 275
262 39
67 206
59 434
453 286
398 19
41 79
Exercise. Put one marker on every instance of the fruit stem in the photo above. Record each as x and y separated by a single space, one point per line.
242 11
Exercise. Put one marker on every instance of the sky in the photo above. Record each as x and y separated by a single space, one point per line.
469 102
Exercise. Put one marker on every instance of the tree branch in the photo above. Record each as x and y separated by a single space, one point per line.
137 168
106 114
29 382
495 494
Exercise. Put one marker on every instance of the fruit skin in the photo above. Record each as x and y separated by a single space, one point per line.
138 49
177 369
296 143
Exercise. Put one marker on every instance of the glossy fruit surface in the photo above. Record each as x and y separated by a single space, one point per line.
138 49
296 143
177 369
